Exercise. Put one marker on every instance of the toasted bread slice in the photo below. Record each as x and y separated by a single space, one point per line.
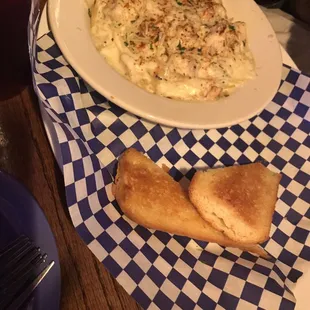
150 197
238 200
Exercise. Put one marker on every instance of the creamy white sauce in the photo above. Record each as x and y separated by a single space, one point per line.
183 49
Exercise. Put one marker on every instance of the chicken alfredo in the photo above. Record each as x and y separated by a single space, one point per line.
182 49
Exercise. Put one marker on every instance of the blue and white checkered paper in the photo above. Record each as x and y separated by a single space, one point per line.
159 270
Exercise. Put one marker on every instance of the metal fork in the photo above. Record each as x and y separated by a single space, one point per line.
20 272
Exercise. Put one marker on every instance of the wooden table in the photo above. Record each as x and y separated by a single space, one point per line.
26 154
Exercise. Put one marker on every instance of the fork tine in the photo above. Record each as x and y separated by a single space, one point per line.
16 285
37 261
12 244
14 257
12 247
13 254
30 288
18 268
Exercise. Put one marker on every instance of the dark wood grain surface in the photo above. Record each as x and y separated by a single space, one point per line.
25 153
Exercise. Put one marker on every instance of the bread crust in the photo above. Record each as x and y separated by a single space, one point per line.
235 198
150 197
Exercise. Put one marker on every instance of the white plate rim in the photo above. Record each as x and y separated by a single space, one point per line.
152 107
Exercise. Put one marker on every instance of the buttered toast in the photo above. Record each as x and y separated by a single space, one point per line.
238 200
150 197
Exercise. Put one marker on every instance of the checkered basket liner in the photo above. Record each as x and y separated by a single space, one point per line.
160 270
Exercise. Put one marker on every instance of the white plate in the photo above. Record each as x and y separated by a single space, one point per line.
69 22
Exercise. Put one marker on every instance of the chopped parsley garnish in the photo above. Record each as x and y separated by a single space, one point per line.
133 21
199 51
181 48
178 2
232 27
157 38
125 43
151 46
89 12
